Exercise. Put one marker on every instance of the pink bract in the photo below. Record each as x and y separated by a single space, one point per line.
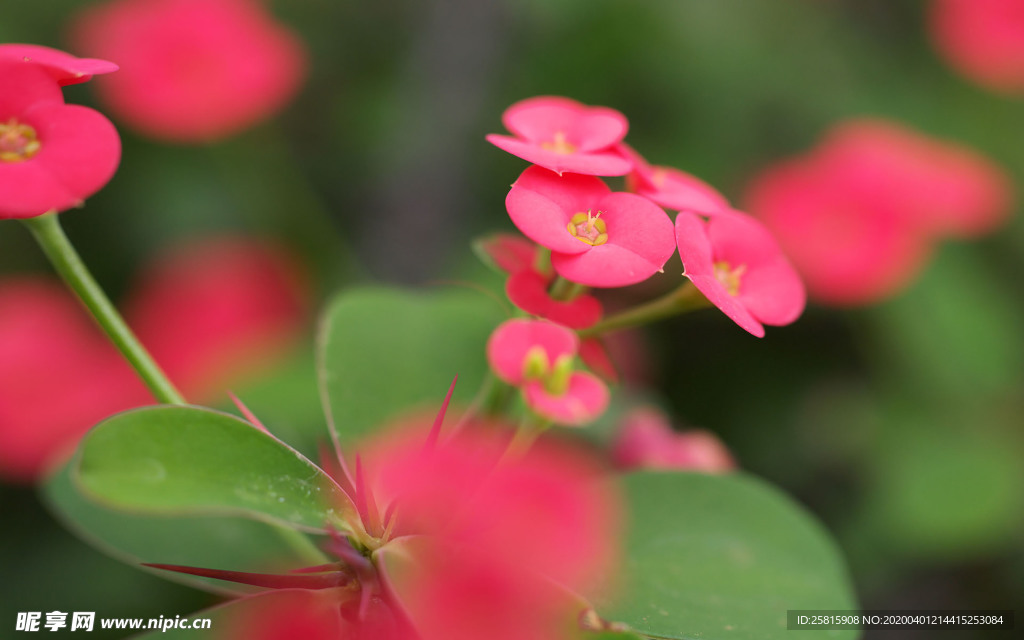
192 70
537 356
736 263
597 238
983 39
646 440
52 156
509 252
528 290
673 189
512 341
563 135
63 67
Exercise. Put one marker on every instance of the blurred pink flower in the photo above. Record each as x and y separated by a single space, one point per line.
537 356
671 188
459 538
563 135
63 67
736 263
211 312
52 156
508 251
192 70
597 238
983 39
472 573
858 215
58 376
219 309
646 440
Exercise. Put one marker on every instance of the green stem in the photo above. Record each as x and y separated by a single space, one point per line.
680 300
564 289
69 265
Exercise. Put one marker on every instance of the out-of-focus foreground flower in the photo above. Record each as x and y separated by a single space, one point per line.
211 311
192 70
646 440
455 538
858 215
983 39
52 156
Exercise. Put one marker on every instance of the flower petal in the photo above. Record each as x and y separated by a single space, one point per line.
541 203
24 86
585 400
63 67
513 339
539 119
597 163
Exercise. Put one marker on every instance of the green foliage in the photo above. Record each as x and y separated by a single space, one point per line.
187 460
385 352
233 543
722 557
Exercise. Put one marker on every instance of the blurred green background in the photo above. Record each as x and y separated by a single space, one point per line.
900 425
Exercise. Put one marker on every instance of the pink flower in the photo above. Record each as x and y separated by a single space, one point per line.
52 155
735 262
673 189
983 39
858 215
646 440
563 135
219 309
193 70
597 238
537 356
63 67
58 374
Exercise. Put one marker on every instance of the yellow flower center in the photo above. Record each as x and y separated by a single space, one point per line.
729 276
588 228
18 142
559 144
554 376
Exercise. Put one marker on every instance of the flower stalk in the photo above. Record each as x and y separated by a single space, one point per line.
684 298
76 275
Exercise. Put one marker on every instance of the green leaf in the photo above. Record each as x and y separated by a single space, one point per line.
188 460
723 557
234 543
385 352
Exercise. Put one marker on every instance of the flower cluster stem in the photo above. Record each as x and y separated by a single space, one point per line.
680 300
564 289
69 265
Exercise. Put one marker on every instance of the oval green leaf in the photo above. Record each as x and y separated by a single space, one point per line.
384 352
725 557
188 460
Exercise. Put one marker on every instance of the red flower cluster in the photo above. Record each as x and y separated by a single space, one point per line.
858 215
52 155
192 70
600 238
209 312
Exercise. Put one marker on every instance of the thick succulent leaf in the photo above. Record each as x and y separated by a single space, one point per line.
235 543
712 557
188 460
384 352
